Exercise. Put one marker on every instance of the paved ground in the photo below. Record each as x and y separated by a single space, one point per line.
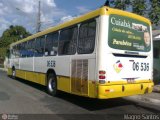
18 97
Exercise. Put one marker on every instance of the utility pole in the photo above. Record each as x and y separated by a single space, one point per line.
38 27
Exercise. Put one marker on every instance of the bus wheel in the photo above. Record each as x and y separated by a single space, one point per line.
13 73
52 84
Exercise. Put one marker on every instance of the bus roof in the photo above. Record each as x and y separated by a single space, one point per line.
101 11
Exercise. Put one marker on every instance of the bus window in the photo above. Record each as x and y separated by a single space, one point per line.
17 51
14 51
86 40
67 42
51 44
39 46
21 49
30 48
24 50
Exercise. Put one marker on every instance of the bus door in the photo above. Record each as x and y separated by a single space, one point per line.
79 76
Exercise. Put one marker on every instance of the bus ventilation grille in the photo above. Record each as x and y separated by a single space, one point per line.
79 76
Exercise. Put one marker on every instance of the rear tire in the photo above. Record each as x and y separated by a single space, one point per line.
52 84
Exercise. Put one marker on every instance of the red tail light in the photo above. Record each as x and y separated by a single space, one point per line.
102 77
102 72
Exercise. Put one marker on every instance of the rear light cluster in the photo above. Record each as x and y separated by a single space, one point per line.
102 76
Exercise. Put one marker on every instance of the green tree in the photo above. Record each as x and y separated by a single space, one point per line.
121 4
139 7
154 13
10 35
2 53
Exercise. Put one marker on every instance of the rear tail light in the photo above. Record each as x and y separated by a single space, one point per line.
102 76
102 72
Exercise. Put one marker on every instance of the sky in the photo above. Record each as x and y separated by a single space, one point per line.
53 12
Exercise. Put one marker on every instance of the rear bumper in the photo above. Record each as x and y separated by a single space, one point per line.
113 91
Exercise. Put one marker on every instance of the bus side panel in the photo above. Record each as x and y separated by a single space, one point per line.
25 70
92 87
61 66
64 83
21 74
26 64
31 76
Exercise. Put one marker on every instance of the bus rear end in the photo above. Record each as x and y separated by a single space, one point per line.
124 55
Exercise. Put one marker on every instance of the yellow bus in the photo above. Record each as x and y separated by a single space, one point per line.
106 53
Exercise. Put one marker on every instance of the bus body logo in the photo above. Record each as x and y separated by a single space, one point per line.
118 66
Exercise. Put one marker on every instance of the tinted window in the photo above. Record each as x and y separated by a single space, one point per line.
86 39
67 42
20 49
16 51
26 49
39 46
51 45
13 50
23 51
30 48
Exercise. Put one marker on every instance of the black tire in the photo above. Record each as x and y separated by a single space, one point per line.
52 84
13 73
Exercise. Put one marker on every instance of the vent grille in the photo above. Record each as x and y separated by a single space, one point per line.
79 76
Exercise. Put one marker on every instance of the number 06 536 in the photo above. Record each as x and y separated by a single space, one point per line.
137 66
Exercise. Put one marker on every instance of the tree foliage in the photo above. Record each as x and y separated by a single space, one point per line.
13 34
121 4
10 35
2 53
139 7
154 13
147 8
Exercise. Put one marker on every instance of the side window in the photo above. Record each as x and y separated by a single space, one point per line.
14 51
30 48
68 40
20 49
17 51
39 46
26 49
86 39
23 52
51 46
